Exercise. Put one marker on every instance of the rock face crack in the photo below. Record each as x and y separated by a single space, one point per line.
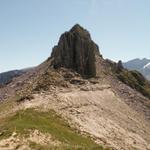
77 51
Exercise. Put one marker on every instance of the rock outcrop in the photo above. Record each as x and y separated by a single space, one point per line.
77 51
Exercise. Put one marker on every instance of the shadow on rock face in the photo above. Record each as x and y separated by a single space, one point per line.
77 51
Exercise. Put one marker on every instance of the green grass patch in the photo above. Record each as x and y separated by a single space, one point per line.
45 122
36 146
136 81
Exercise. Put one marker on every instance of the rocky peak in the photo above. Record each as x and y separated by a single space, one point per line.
77 51
80 31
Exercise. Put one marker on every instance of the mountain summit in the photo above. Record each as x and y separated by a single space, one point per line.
77 51
76 100
77 29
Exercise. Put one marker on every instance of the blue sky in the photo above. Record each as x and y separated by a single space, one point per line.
30 28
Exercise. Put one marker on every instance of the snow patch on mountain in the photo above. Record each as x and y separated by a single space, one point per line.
147 66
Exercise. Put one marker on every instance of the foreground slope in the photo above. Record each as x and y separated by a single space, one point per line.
32 129
97 98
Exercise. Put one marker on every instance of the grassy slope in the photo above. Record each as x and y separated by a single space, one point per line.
46 122
135 80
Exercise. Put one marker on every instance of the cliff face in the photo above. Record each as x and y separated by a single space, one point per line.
77 51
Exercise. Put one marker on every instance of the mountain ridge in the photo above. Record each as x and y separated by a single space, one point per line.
139 65
108 104
6 77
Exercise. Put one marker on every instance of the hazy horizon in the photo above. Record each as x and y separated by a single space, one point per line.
30 28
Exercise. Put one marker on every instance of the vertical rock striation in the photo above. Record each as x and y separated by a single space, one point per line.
77 51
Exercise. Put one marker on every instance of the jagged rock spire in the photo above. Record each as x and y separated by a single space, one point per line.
80 31
77 51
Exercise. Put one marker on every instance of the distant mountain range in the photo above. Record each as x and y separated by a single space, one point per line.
7 77
141 65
